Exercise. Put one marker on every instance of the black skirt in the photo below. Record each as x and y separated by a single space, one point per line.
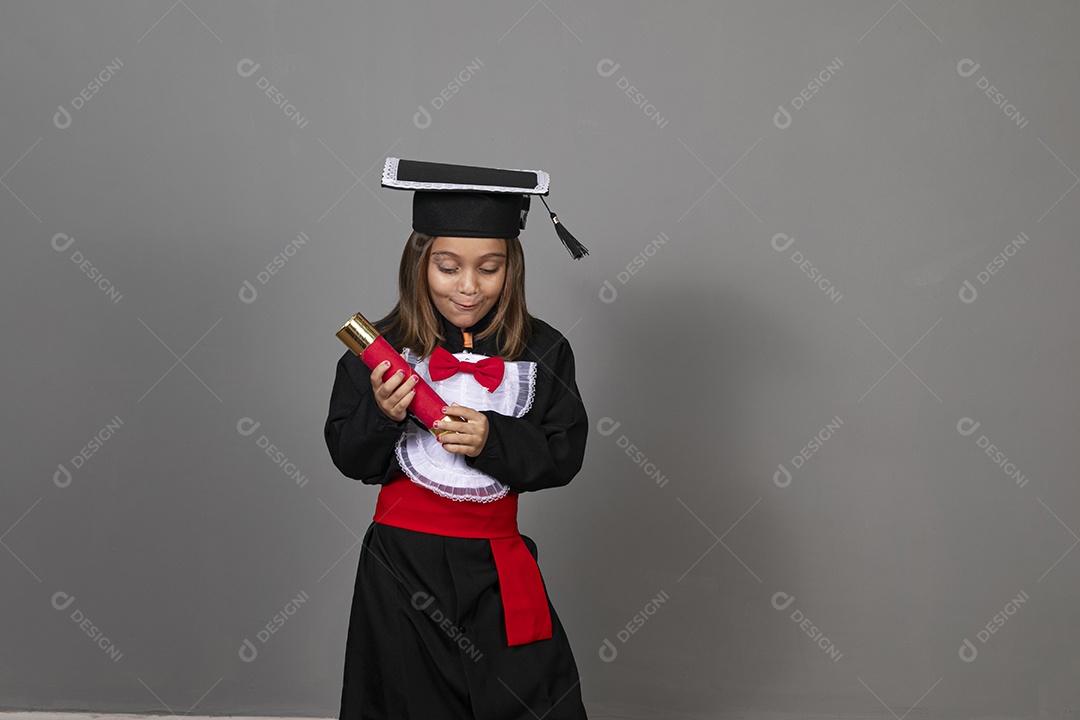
427 639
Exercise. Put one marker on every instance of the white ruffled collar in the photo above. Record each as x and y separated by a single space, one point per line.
423 458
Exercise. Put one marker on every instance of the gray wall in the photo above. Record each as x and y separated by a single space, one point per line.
790 344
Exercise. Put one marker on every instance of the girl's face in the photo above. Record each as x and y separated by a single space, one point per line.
466 276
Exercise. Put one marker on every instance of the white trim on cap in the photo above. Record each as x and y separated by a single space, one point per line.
390 179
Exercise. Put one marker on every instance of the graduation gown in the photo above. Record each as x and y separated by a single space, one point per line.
426 637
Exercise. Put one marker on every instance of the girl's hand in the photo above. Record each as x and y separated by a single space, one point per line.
394 395
464 438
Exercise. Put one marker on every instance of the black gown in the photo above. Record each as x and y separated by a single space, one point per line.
426 637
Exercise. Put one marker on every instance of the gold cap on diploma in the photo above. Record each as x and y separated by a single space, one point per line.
357 333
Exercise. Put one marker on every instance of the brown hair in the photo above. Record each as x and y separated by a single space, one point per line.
414 321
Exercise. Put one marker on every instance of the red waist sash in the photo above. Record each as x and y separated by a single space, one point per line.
405 504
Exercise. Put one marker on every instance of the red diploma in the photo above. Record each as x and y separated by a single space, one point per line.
362 338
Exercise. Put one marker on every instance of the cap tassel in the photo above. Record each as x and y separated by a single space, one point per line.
576 249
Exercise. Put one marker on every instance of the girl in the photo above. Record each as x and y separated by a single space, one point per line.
450 619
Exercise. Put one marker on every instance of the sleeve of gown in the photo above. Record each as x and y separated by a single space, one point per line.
359 436
526 456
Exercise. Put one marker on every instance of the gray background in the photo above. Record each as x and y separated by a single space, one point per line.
712 362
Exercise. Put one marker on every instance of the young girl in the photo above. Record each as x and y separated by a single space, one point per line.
450 619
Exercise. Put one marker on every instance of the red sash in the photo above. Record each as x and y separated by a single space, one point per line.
405 504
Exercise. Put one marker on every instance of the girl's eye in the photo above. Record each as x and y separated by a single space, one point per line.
451 271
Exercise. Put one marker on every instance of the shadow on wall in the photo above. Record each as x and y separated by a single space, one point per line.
681 621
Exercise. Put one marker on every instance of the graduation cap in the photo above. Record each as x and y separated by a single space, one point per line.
464 201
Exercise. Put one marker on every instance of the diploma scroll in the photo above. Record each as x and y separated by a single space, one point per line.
362 338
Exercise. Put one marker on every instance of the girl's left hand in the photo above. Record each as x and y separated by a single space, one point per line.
464 438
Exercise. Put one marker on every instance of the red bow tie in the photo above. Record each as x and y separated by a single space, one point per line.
488 372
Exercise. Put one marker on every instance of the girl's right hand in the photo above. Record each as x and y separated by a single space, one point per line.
394 395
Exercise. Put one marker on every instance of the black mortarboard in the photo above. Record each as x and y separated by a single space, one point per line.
464 201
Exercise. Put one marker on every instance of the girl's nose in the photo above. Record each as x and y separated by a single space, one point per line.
468 283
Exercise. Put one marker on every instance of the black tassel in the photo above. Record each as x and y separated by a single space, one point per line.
576 249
